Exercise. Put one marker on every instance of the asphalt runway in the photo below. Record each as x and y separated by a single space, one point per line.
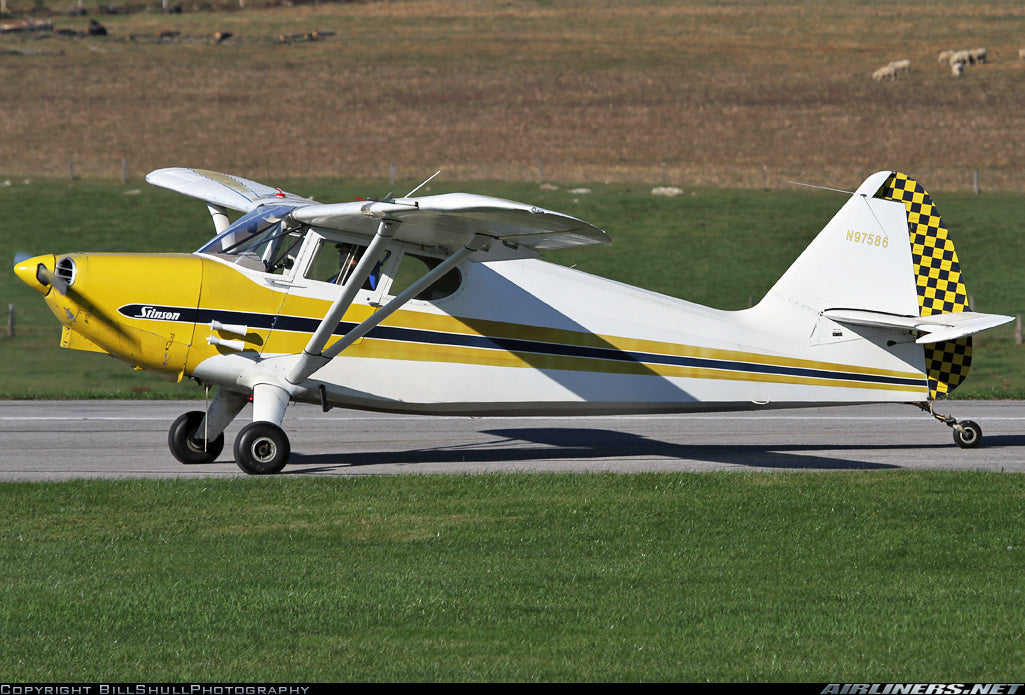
62 440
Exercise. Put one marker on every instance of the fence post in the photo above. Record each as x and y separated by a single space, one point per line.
124 170
1017 331
975 181
10 320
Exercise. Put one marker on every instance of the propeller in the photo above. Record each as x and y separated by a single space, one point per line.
45 276
48 278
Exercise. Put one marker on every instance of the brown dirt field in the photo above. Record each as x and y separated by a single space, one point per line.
676 93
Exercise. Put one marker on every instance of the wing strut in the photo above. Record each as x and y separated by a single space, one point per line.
312 360
219 213
413 290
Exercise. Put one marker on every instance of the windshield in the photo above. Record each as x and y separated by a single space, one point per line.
261 240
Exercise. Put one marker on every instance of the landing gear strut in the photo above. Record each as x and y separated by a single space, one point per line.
261 447
967 433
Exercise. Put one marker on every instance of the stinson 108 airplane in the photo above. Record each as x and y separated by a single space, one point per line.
440 304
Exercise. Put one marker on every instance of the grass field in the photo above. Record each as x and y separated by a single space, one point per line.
836 577
662 92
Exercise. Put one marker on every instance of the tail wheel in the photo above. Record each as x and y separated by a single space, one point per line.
186 446
262 448
967 434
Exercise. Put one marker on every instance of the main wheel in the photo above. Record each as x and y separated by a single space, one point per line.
186 446
262 448
969 435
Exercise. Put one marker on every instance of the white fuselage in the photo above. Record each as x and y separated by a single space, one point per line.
527 337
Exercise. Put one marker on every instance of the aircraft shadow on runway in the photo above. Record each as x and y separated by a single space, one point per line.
542 444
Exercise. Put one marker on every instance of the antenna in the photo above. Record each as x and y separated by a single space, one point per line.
424 183
823 188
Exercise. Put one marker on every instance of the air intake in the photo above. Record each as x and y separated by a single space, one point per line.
66 270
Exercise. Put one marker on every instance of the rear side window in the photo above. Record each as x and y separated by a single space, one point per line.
413 267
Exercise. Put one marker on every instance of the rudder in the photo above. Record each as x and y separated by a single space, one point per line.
937 279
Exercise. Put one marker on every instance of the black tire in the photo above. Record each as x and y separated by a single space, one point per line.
969 435
188 448
262 448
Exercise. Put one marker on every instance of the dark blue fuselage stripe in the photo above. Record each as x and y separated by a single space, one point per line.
521 346
302 324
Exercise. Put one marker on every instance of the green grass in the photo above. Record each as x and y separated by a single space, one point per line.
597 577
723 248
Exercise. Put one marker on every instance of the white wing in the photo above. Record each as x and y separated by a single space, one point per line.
450 220
441 222
224 190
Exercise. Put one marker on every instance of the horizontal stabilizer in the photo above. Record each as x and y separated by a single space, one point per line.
934 329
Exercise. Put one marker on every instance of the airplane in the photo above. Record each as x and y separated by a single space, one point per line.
442 304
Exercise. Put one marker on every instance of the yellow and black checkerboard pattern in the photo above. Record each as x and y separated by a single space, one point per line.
938 277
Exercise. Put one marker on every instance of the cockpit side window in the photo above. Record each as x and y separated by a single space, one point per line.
334 262
263 240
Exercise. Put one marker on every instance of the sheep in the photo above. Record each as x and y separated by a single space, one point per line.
944 57
978 55
885 71
964 57
956 69
899 65
1021 53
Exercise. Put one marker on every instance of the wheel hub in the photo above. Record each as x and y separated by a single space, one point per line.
264 450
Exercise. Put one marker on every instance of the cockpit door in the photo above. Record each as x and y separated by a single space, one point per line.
321 269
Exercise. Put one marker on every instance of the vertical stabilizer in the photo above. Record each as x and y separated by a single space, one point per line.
886 261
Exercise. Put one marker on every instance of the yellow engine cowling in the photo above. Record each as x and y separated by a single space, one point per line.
140 308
